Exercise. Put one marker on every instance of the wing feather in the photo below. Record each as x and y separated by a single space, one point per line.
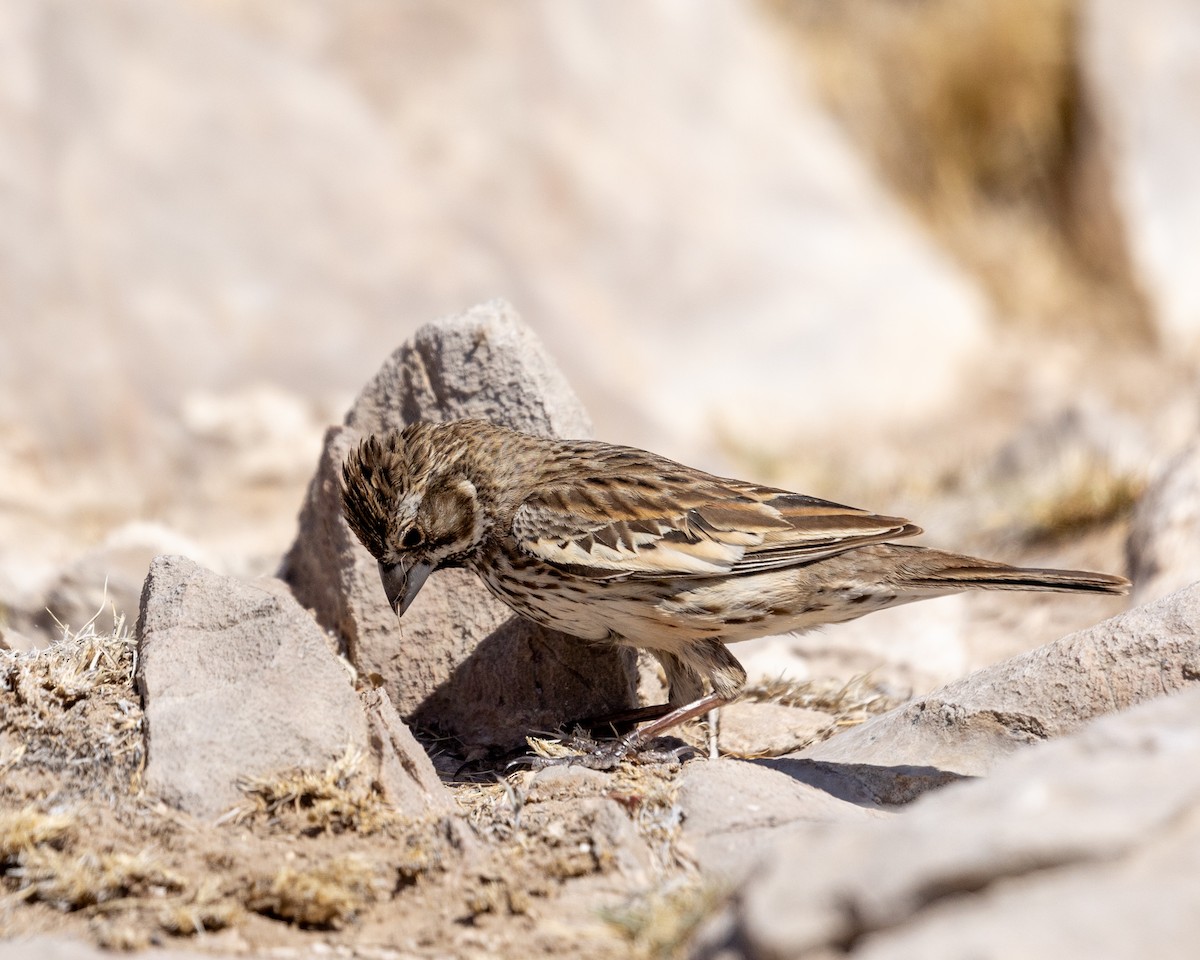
707 527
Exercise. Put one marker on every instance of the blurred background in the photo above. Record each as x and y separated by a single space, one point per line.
933 257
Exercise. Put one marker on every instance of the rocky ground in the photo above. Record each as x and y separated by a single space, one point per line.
233 774
928 259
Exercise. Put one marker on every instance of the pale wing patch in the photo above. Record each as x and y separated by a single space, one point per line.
641 546
662 557
735 535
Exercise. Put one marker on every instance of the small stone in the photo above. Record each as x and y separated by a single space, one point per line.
750 729
555 783
238 682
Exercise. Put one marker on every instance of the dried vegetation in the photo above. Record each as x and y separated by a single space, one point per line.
971 111
316 853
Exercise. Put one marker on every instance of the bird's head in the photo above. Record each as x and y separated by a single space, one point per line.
408 497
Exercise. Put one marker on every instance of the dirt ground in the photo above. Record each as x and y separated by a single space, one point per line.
564 862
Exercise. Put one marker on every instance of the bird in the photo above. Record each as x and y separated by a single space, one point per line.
615 544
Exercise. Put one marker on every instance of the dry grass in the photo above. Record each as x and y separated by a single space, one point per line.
342 797
70 712
661 926
970 111
1082 494
848 704
62 861
325 895
26 829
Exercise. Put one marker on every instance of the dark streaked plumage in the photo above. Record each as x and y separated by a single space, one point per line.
611 543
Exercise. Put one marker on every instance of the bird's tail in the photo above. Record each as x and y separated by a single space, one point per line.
923 569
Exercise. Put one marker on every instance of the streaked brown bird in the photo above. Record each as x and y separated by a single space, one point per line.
610 543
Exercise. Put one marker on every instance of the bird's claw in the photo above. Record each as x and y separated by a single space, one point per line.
607 756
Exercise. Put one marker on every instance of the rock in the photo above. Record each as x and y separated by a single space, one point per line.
865 784
750 729
1078 848
967 726
238 682
734 812
460 661
557 783
404 771
483 363
1164 537
1141 92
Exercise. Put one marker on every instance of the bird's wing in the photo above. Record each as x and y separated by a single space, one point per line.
706 527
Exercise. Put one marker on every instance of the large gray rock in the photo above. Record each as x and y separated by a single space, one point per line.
483 363
238 682
1079 848
967 726
460 660
1164 537
734 812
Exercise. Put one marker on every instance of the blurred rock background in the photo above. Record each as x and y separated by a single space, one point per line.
935 258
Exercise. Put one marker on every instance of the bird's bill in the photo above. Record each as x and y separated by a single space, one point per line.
402 582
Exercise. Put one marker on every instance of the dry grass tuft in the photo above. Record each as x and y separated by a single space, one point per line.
1087 494
202 909
341 798
552 749
326 895
969 110
74 880
848 704
73 714
54 859
660 926
24 830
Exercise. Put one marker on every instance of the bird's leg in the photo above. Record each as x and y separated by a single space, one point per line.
709 657
724 673
607 756
634 741
620 721
684 684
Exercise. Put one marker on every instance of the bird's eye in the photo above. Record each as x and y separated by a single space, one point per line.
412 539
